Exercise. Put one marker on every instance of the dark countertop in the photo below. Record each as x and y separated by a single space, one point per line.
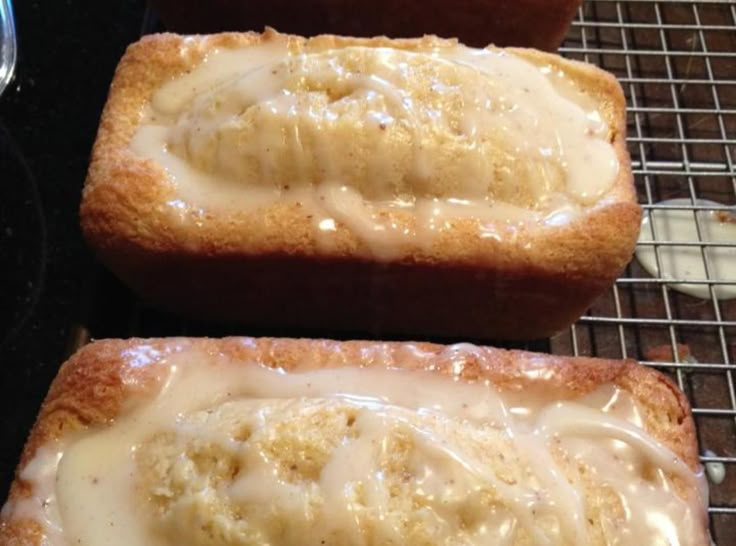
48 117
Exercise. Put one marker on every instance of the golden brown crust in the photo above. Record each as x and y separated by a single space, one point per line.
125 219
93 385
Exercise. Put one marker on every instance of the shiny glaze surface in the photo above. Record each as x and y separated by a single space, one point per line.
393 144
234 453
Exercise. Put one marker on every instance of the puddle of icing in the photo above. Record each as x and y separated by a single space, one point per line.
685 263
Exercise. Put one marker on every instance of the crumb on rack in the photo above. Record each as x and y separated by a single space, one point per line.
663 353
726 217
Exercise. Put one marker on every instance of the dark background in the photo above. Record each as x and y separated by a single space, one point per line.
67 53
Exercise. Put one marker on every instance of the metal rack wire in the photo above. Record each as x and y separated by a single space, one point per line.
676 60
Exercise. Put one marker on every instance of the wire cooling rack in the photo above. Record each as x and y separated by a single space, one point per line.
676 61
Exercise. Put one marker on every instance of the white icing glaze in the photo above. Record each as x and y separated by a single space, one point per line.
43 505
686 262
481 466
447 133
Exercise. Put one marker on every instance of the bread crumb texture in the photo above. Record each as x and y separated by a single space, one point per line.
324 471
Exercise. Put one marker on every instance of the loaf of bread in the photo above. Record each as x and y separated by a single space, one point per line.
395 186
247 441
541 24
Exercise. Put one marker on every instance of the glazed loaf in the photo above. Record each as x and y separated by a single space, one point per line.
541 24
273 441
398 186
